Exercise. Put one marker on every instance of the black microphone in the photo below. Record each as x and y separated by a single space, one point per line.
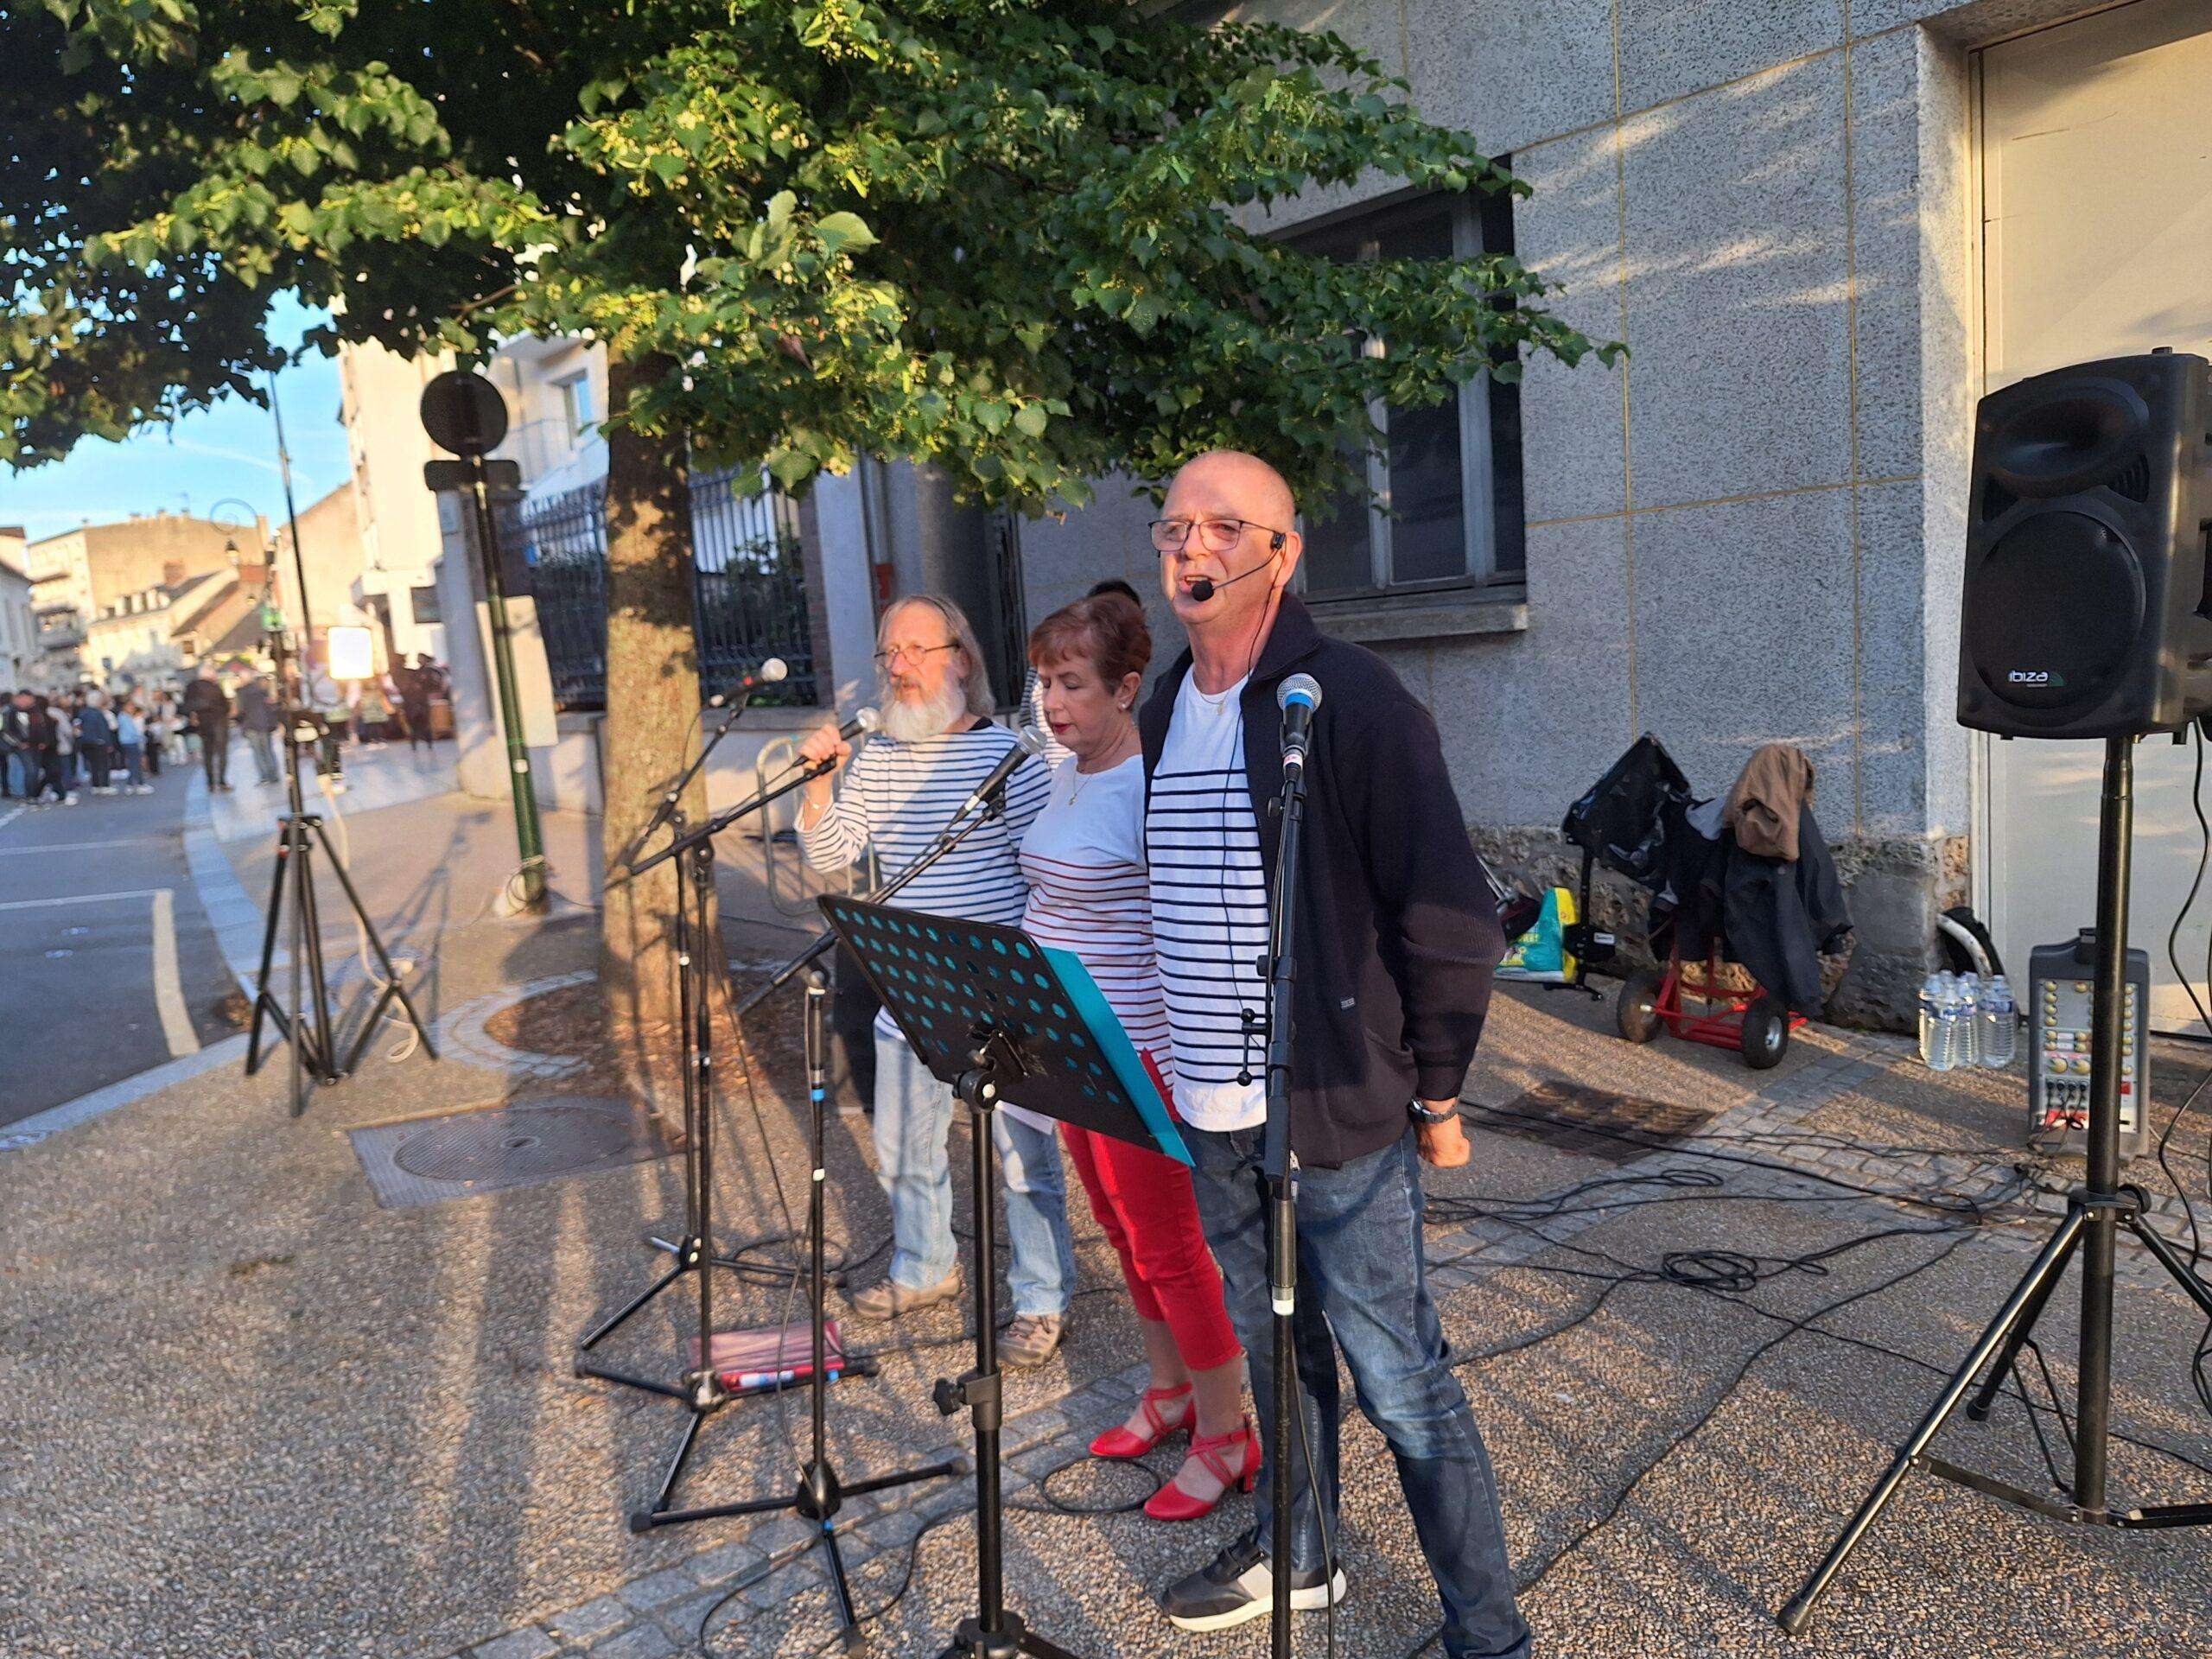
767 673
863 720
1026 741
1298 697
1206 586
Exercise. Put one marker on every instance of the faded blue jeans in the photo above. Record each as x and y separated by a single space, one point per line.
1362 1277
913 1115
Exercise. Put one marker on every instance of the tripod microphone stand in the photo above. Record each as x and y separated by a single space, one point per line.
304 1022
702 1389
2095 1212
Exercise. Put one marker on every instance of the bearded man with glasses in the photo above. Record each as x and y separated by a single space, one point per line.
937 743
1396 935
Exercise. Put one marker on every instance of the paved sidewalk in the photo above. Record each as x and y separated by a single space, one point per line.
251 1412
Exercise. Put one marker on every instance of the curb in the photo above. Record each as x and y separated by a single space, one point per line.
29 1131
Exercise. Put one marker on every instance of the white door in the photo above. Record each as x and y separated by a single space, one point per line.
2096 145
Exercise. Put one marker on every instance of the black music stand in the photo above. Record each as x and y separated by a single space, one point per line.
1003 1019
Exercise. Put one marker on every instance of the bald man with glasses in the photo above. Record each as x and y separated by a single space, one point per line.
1396 937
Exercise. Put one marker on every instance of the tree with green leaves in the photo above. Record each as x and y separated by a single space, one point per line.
1012 239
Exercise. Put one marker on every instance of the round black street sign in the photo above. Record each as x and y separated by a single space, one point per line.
463 412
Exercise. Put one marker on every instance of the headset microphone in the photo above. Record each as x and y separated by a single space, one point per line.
1206 586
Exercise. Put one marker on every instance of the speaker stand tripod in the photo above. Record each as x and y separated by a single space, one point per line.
2095 1214
304 1022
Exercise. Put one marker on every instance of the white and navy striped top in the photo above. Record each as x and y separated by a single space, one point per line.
1209 910
1032 714
1088 893
899 797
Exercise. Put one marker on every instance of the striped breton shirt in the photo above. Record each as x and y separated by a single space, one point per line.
1088 893
1032 714
1209 910
898 797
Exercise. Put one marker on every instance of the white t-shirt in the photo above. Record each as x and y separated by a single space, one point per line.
1209 911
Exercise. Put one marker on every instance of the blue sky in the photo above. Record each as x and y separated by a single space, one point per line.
227 450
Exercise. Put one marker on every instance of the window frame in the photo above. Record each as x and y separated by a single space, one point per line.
576 416
1366 228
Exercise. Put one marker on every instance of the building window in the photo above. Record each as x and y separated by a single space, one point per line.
423 604
1444 481
576 406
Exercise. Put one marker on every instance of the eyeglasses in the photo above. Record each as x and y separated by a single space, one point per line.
1215 535
919 653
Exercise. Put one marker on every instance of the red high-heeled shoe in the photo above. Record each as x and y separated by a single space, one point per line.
1119 1442
1232 1458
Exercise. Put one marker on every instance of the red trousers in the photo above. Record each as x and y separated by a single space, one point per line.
1143 1201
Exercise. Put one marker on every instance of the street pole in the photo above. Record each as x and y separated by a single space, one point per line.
528 837
292 518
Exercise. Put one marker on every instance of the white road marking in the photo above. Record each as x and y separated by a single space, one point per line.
78 899
168 989
7 818
79 846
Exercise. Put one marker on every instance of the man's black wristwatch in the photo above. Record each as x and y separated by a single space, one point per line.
1421 1114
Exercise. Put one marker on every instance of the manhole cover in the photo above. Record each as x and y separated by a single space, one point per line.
515 1145
517 1142
1618 1129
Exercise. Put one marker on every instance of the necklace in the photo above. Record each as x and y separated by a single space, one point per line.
1077 777
1213 703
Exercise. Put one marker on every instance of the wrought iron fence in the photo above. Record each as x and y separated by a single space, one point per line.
749 588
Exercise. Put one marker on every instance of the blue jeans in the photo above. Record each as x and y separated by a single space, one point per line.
913 1115
134 757
1361 1276
263 745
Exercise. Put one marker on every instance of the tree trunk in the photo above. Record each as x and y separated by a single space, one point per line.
652 696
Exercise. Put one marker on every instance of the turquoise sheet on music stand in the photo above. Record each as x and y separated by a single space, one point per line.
1128 1065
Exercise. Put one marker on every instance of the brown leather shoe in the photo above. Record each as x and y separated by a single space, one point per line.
887 1300
1032 1339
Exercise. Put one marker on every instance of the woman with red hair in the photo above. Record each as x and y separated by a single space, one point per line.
1083 856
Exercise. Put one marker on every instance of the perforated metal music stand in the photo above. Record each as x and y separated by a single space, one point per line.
1005 1020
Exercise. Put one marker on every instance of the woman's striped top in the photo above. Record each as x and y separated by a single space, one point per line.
1090 894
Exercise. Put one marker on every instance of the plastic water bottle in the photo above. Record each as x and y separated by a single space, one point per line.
1931 990
2000 1024
1968 1053
1946 1046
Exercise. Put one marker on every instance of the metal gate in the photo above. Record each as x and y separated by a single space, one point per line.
748 588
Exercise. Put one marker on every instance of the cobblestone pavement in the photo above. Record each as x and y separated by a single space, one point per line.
289 1423
726 1599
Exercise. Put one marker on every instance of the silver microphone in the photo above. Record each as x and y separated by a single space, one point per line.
768 673
1027 740
1298 697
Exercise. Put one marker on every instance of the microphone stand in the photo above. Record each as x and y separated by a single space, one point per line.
706 832
818 1496
1279 1184
674 793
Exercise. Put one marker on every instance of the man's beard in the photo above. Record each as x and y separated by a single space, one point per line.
912 722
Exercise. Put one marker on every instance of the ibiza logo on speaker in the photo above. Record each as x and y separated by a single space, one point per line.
2033 676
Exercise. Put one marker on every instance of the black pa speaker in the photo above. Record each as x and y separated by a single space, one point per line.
2087 610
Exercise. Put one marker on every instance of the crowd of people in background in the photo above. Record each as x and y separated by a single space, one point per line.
56 747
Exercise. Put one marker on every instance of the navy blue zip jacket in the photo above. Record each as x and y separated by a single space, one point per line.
93 726
1397 933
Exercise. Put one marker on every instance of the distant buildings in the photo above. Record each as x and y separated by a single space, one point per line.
94 591
18 624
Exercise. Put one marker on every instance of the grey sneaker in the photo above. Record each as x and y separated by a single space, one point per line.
1032 1339
888 1300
